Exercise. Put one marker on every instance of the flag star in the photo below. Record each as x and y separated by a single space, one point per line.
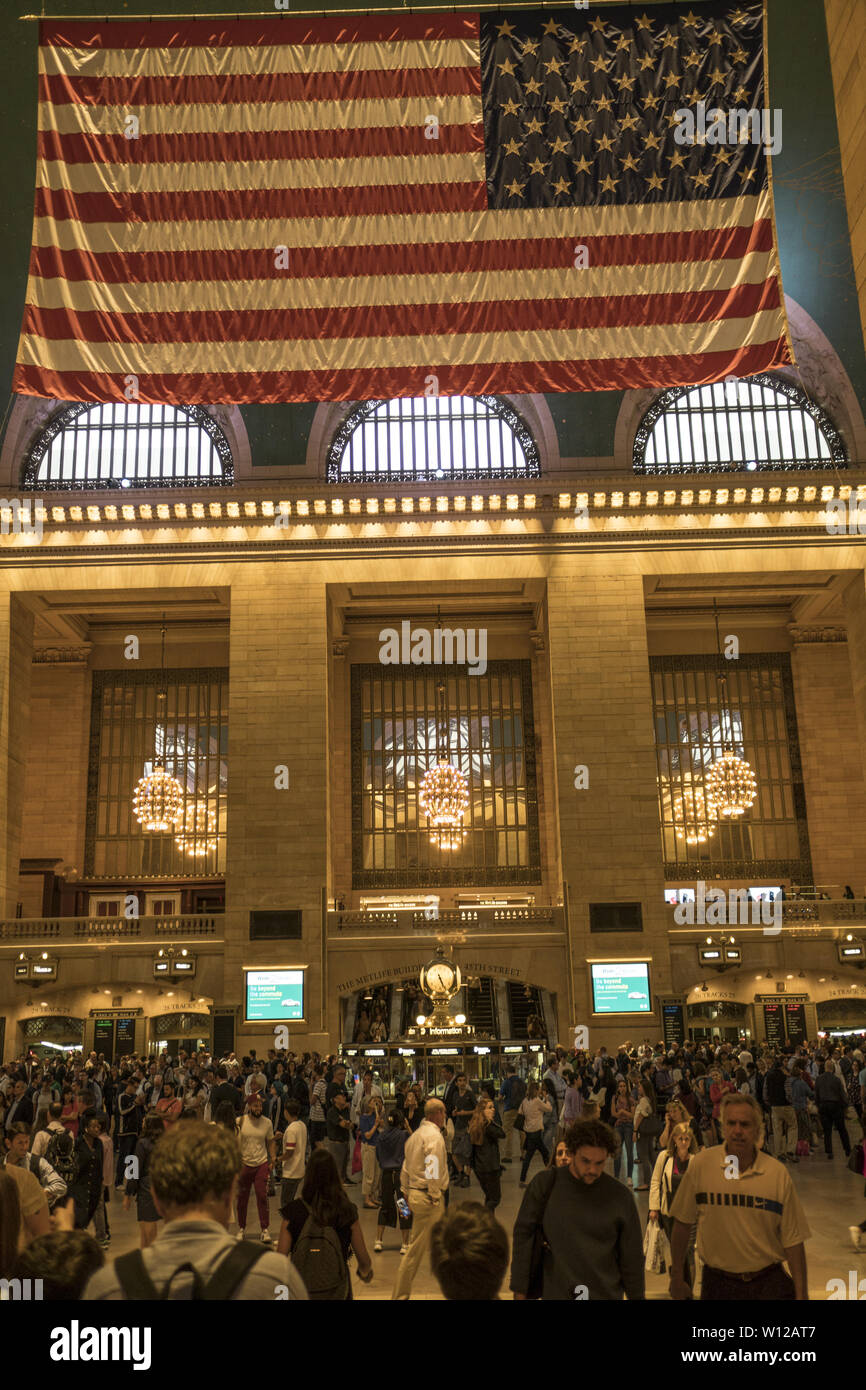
624 44
510 108
717 76
551 27
515 189
701 178
670 40
582 123
507 66
714 37
561 187
647 61
723 154
738 17
537 167
583 165
530 46
654 181
652 141
535 126
747 174
553 65
690 59
600 64
577 45
505 29
512 147
605 142
579 82
559 146
629 122
559 105
597 26
627 81
739 55
672 79
608 185
741 94
690 21
533 85
604 104
630 162
652 101
643 21
678 159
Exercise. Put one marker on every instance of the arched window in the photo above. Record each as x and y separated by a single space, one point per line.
119 445
759 422
441 437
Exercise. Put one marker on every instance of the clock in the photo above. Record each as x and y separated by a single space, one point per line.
440 979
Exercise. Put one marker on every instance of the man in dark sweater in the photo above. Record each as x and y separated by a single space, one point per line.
225 1091
593 1244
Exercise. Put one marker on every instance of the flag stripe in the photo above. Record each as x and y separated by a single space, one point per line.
257 262
181 35
210 88
612 374
417 320
556 282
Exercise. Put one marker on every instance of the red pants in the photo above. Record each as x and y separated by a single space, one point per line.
258 1178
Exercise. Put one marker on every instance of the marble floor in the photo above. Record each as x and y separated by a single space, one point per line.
832 1196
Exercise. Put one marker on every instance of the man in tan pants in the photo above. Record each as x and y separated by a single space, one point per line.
424 1179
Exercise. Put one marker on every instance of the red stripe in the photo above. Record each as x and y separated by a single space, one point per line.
234 90
262 203
403 320
325 262
255 31
274 388
248 146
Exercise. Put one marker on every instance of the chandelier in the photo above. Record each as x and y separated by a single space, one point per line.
157 802
693 816
197 835
730 785
444 792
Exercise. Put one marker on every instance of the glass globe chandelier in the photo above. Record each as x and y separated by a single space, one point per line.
157 802
198 830
444 792
730 785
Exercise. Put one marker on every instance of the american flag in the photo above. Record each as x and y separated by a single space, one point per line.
286 209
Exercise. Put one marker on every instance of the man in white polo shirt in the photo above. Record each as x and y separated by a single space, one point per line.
749 1216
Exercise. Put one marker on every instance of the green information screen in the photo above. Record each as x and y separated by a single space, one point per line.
274 996
621 988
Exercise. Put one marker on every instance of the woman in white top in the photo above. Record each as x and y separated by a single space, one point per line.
643 1111
534 1109
670 1166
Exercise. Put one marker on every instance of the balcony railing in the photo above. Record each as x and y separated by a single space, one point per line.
812 914
87 929
493 919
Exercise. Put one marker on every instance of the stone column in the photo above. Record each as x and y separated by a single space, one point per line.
16 656
609 832
277 837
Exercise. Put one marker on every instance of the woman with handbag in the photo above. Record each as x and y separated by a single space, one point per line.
533 1109
485 1134
668 1172
645 1128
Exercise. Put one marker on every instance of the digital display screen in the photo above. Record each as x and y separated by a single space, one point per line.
274 996
621 988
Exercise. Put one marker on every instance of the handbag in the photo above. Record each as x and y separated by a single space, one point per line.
520 1121
357 1163
855 1159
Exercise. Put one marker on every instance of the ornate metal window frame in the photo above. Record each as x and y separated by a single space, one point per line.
197 414
499 409
798 870
662 403
430 875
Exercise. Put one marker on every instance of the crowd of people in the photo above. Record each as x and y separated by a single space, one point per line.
194 1141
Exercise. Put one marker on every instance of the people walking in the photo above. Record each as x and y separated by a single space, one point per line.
485 1133
832 1098
535 1107
424 1181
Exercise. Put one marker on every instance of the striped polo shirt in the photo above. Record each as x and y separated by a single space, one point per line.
744 1222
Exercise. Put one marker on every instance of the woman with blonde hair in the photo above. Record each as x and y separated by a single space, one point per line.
675 1114
485 1134
670 1167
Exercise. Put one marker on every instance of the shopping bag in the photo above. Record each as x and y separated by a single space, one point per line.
357 1165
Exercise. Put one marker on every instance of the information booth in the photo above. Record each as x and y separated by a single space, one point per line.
422 1061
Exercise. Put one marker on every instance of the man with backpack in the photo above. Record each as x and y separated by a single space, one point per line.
193 1174
17 1142
511 1093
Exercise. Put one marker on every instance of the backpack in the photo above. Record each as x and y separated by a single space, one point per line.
61 1155
318 1258
136 1283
